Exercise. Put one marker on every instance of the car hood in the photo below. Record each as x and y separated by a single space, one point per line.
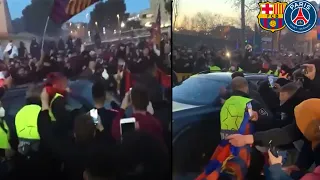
176 106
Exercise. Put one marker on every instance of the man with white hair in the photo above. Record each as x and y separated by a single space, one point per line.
11 50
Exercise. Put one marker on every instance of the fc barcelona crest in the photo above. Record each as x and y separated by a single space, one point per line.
271 16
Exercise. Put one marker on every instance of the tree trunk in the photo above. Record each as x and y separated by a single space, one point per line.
243 25
279 40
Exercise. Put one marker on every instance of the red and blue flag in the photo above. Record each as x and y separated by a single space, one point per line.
63 10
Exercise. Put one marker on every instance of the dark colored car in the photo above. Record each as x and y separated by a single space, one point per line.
195 118
81 96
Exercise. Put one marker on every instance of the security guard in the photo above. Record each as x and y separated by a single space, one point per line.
27 129
56 96
234 108
4 131
242 114
267 72
277 72
56 88
215 68
238 115
5 149
240 98
235 69
4 137
26 122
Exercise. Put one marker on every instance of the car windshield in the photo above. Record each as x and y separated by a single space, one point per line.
197 91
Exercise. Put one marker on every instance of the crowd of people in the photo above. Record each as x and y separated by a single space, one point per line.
187 60
49 141
290 114
276 116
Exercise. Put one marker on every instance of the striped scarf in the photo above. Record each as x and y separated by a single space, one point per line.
228 160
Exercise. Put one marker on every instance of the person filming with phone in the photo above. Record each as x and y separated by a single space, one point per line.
289 133
73 152
308 122
101 95
140 120
311 77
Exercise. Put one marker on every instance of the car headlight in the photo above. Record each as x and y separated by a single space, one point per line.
228 55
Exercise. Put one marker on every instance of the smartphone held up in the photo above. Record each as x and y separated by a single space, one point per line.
94 115
127 125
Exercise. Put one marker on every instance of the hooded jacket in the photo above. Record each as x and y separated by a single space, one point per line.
308 120
289 133
287 107
307 116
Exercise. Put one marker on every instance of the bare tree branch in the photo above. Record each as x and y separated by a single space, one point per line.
175 11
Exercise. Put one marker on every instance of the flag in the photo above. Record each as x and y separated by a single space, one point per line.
164 79
156 29
63 10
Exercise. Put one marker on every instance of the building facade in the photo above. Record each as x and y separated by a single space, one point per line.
5 19
148 16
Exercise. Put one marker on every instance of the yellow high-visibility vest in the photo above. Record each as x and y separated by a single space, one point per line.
50 109
26 122
269 72
238 70
4 136
232 112
215 68
276 73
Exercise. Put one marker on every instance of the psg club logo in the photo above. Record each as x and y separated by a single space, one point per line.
300 16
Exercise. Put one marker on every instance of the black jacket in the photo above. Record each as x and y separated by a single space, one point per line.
287 108
107 116
264 121
314 86
289 133
74 155
269 96
64 119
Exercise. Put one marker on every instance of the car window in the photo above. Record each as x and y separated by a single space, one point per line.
14 99
197 91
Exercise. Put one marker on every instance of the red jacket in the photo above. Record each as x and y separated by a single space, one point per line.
147 123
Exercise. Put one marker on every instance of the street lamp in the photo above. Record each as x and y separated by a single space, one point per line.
123 24
96 23
118 16
104 30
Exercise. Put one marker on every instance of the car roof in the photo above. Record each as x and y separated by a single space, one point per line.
226 76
